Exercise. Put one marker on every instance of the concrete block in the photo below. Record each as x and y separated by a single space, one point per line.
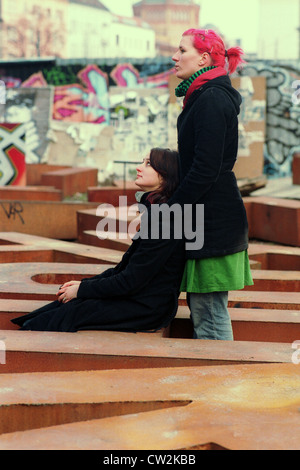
30 193
49 219
39 281
34 172
249 324
112 241
239 407
275 257
296 168
114 220
269 300
17 247
111 195
71 180
11 308
273 219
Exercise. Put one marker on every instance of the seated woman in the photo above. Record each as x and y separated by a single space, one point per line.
141 292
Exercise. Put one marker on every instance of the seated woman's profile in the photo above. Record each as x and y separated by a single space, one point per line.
141 292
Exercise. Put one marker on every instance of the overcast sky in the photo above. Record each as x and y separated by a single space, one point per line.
236 19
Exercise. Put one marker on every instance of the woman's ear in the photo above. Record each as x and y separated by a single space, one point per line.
205 60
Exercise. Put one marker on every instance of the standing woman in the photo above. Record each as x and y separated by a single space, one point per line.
207 144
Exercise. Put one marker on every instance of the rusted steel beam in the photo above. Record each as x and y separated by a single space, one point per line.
240 407
35 351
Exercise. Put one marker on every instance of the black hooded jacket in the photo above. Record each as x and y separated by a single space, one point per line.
140 293
207 144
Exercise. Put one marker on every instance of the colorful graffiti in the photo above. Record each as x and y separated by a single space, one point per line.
126 75
12 154
88 95
30 106
283 116
83 103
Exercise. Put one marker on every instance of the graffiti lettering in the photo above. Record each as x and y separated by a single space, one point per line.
296 94
13 210
2 92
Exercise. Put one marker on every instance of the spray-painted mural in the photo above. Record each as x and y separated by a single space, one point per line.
283 115
30 106
133 101
12 154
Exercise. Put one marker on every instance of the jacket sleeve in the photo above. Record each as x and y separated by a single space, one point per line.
144 264
209 124
107 273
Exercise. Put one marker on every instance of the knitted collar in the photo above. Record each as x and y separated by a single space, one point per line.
183 87
198 79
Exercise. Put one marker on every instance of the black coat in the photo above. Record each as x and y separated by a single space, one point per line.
139 294
207 145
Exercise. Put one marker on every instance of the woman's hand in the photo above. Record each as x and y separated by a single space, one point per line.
68 291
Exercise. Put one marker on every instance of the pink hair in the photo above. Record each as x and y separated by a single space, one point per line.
207 40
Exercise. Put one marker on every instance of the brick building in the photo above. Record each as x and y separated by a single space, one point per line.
168 18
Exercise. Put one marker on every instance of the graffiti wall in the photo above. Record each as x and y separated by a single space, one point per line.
133 103
283 114
12 154
32 107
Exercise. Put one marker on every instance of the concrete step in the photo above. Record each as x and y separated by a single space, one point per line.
34 172
248 324
50 219
17 247
114 220
252 299
266 325
275 257
236 407
274 219
111 194
30 193
71 180
35 351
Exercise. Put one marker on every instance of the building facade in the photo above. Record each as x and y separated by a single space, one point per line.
71 29
169 19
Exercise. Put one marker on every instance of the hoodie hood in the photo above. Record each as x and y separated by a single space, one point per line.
224 83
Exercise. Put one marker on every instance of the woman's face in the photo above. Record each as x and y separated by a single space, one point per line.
187 59
147 178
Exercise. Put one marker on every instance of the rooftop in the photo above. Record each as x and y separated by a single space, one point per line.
90 3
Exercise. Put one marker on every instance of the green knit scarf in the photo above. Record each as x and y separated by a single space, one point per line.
183 87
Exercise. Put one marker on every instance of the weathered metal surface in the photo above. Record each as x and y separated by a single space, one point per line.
274 219
244 407
249 324
35 351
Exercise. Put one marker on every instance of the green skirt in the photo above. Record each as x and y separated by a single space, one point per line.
220 274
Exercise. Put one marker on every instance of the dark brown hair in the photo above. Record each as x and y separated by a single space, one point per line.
165 162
